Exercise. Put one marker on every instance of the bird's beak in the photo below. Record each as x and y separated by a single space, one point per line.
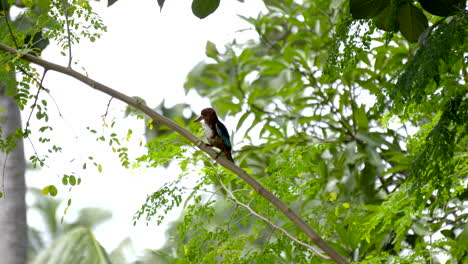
199 119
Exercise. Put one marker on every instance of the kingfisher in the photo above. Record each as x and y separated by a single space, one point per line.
216 132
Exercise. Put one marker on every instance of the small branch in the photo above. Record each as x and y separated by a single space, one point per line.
32 111
107 110
35 153
56 105
280 205
333 108
382 182
238 83
39 82
306 141
10 30
274 226
261 110
342 118
240 218
66 7
465 71
232 215
353 107
35 99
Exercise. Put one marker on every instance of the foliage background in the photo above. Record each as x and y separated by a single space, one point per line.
324 103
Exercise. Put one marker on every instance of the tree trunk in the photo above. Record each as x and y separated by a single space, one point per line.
13 224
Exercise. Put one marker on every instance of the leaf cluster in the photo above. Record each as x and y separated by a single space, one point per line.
314 97
404 15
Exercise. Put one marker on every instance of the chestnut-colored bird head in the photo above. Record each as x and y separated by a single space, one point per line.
207 114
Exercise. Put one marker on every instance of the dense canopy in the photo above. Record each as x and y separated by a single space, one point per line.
353 113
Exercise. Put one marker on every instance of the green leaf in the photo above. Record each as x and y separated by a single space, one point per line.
203 8
4 5
448 233
161 4
323 169
463 237
245 55
443 7
272 68
362 121
374 157
211 50
65 180
386 20
37 42
72 180
274 132
77 246
412 22
421 229
436 226
111 2
366 8
51 190
242 119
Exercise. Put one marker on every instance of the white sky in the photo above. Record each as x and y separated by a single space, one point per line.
144 53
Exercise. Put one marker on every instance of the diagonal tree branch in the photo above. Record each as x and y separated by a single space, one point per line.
288 212
267 221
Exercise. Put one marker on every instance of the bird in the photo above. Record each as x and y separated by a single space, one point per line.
216 133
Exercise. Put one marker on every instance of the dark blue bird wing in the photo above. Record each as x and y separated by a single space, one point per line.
224 134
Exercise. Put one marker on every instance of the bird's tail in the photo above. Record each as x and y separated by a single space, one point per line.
228 155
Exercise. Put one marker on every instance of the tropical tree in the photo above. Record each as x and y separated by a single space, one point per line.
326 98
13 221
13 224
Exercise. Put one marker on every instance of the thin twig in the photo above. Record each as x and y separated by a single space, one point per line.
66 7
353 107
232 215
37 155
230 223
107 110
203 190
305 142
10 30
41 86
240 218
465 71
35 99
268 237
274 226
56 105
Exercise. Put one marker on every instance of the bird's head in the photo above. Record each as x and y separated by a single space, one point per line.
208 115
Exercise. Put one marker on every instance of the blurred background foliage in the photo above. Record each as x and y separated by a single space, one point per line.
362 132
355 113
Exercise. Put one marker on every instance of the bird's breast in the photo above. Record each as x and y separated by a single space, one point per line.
208 131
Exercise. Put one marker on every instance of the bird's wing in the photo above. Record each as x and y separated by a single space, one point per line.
224 134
